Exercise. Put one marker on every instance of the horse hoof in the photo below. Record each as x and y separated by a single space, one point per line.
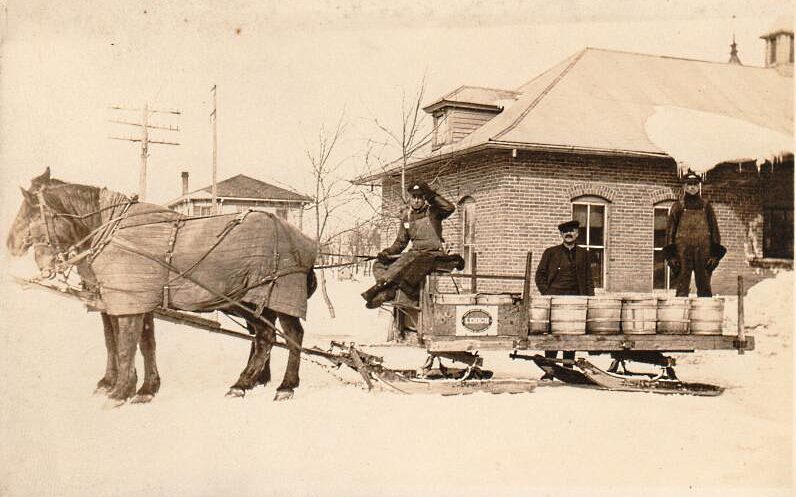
112 403
142 398
236 393
102 390
282 395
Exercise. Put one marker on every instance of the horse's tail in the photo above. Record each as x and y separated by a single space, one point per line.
312 282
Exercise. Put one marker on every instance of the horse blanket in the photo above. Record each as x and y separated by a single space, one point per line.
158 257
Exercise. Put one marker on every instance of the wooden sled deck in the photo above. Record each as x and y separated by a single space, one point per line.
590 343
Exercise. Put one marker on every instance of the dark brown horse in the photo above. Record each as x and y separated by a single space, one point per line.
119 244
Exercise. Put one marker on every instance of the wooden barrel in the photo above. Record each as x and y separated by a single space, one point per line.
673 316
706 315
540 314
454 298
568 315
603 316
639 315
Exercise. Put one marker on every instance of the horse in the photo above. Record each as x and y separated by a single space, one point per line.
137 257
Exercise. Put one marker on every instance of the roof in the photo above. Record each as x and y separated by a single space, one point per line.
242 186
783 24
599 100
474 95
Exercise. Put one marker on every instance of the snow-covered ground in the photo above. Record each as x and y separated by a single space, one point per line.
335 438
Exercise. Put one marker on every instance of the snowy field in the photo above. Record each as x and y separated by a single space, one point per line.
335 438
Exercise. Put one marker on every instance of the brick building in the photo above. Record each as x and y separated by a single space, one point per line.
239 193
571 143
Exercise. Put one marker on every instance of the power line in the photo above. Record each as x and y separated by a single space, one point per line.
144 139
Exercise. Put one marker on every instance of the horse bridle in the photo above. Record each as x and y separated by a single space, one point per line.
49 240
67 257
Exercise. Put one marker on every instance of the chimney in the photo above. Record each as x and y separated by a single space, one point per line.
184 182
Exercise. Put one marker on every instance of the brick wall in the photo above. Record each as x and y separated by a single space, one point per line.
521 200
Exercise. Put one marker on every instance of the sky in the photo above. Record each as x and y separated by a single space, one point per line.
284 71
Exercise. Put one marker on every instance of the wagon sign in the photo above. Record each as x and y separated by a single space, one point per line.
476 320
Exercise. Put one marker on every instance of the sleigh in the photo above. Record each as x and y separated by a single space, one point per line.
630 329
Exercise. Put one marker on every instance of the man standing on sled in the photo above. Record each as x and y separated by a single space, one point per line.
693 239
421 223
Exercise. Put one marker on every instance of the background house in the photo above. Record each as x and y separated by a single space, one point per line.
239 193
571 143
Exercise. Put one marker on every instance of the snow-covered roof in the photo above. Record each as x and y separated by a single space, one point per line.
600 100
783 24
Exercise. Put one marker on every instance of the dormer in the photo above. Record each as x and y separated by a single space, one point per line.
779 45
464 110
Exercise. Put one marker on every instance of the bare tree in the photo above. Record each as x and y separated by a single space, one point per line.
331 191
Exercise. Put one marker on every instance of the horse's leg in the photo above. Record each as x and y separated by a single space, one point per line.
263 340
110 328
265 375
130 329
151 376
294 332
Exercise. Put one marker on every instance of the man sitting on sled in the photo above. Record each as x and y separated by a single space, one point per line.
421 223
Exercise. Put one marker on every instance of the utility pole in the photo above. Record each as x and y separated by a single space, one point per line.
144 139
213 117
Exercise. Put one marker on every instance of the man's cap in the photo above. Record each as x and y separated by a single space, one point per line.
415 189
692 177
568 226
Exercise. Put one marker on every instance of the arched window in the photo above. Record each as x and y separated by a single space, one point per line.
661 274
592 213
467 210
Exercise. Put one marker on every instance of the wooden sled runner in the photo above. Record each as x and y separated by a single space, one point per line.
582 372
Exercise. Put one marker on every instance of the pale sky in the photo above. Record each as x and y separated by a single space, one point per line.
283 71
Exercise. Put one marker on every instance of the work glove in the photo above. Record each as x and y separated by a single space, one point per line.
428 193
383 257
674 265
712 264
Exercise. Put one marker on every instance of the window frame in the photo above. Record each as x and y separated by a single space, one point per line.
589 201
441 123
664 205
467 207
766 249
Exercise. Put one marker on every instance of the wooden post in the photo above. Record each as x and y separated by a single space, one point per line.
473 277
525 311
741 330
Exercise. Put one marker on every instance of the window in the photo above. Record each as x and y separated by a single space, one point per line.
661 277
282 212
467 208
441 130
591 213
778 232
773 53
203 210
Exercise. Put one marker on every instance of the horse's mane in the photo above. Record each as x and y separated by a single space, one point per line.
71 198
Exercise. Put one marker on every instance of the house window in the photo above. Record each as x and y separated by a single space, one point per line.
778 232
202 210
661 274
467 208
441 130
281 212
591 212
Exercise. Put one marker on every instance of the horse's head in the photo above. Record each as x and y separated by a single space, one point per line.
37 225
19 238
